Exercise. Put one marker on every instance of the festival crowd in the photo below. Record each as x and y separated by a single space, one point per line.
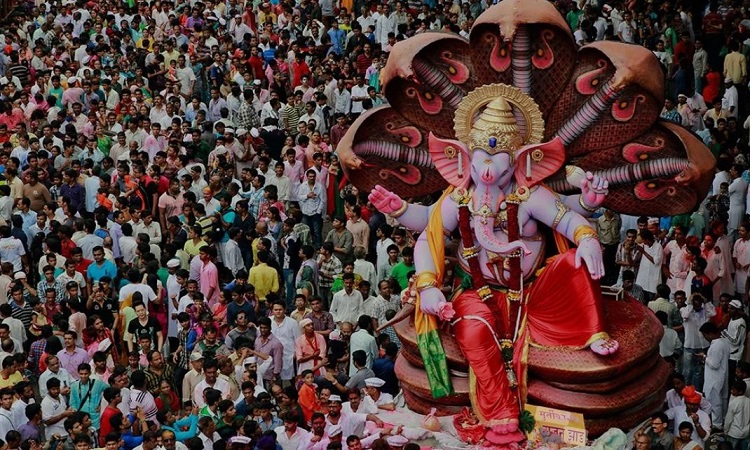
184 265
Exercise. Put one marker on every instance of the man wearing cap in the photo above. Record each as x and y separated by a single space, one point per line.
310 348
691 413
374 395
730 100
350 423
173 296
238 29
194 377
735 333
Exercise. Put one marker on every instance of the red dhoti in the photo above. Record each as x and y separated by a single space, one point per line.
564 308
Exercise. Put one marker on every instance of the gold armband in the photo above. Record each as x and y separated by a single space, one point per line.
470 252
583 232
426 280
583 205
399 212
484 292
561 211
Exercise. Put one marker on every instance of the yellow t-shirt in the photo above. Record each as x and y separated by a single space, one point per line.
14 378
265 279
193 249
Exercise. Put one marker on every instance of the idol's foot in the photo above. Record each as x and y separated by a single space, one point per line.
604 347
504 433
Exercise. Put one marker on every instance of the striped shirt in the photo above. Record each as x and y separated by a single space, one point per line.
289 119
23 313
145 400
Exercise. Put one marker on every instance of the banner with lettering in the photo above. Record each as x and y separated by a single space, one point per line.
556 428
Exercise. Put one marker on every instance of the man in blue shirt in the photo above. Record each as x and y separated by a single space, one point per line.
73 191
99 268
384 369
338 37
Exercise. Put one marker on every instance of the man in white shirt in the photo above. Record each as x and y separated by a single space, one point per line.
363 340
381 400
346 305
212 380
286 330
6 415
674 396
136 285
694 315
735 333
282 182
691 413
289 436
359 94
11 249
54 371
741 260
209 202
670 344
626 28
128 244
15 327
25 394
678 265
737 421
54 410
350 422
649 271
208 432
716 375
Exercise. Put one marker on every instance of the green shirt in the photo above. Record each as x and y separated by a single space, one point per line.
401 273
205 411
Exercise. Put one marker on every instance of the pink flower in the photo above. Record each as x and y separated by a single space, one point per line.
446 311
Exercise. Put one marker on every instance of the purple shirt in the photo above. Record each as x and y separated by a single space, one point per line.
272 347
71 361
76 194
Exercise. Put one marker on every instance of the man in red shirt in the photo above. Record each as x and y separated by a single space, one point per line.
82 264
113 397
339 130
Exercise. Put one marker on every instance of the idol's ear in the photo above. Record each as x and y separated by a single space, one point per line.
536 162
451 159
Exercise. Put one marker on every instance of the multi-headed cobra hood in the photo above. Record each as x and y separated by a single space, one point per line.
599 103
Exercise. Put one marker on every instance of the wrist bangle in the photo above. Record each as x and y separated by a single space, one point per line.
424 278
399 212
583 232
421 287
584 206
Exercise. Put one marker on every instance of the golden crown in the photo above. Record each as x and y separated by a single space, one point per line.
496 129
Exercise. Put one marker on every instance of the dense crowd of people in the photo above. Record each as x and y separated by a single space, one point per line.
184 265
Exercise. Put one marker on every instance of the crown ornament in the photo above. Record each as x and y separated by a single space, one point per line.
485 120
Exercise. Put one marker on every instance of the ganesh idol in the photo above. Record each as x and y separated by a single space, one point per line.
498 207
526 136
